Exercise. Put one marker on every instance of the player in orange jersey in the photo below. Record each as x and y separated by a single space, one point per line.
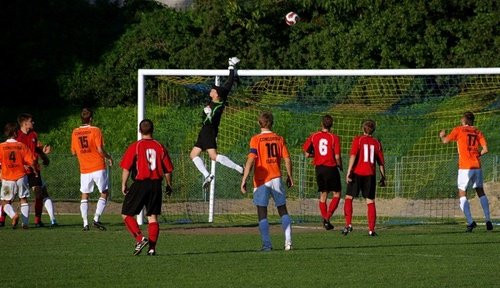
324 147
88 145
471 145
266 151
14 156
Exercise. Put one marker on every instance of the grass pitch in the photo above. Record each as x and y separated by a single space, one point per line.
402 256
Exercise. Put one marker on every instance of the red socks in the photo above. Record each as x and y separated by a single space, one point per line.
372 216
153 232
38 210
322 208
133 227
348 211
333 206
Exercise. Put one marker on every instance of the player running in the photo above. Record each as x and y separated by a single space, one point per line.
266 151
29 137
88 145
14 156
471 145
149 162
361 175
324 147
207 138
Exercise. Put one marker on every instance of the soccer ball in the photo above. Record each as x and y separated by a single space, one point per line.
291 18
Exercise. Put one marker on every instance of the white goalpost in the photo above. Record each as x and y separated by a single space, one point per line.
419 101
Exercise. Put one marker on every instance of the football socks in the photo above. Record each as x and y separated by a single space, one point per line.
334 203
486 207
228 163
153 233
84 208
264 233
101 204
49 206
286 224
464 205
25 212
201 167
7 208
372 216
322 209
348 211
133 228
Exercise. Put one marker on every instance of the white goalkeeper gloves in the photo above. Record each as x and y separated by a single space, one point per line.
233 61
208 111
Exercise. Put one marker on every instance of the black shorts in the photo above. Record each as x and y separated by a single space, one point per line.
207 139
34 180
328 179
362 184
143 193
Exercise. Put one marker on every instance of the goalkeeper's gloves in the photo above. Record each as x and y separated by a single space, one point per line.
233 61
168 190
208 111
382 183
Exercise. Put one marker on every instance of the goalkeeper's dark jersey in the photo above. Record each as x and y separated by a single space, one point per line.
212 120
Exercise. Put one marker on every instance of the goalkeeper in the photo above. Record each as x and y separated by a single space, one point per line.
207 138
365 151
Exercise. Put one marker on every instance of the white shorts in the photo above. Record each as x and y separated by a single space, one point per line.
11 188
469 176
99 178
273 188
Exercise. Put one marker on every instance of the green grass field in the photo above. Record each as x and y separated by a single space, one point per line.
402 256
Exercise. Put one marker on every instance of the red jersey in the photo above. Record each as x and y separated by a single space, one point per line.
324 146
13 156
147 159
29 139
468 139
367 150
267 148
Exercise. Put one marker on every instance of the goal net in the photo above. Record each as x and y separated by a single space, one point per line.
410 107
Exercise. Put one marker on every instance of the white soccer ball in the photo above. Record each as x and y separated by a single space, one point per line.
291 18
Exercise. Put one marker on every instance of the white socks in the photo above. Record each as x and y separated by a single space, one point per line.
224 160
7 208
286 224
201 167
264 233
101 204
84 208
464 205
25 212
486 207
49 206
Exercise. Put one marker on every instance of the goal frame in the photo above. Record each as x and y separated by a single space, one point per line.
216 73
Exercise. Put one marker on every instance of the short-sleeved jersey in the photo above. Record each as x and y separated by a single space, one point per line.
468 139
324 146
29 139
147 159
267 148
368 151
13 156
84 142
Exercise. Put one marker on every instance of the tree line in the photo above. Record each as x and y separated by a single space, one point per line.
76 53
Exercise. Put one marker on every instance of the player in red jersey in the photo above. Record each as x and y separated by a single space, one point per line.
266 151
361 175
324 147
29 137
88 145
207 138
14 156
471 145
147 162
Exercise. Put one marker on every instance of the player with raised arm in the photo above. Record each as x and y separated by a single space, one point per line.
14 156
324 147
29 137
366 151
471 145
267 149
207 138
88 145
148 162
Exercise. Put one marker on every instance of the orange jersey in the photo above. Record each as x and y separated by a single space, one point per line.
267 148
13 156
84 143
468 139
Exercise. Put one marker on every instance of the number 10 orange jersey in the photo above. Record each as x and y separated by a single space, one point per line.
267 148
84 142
